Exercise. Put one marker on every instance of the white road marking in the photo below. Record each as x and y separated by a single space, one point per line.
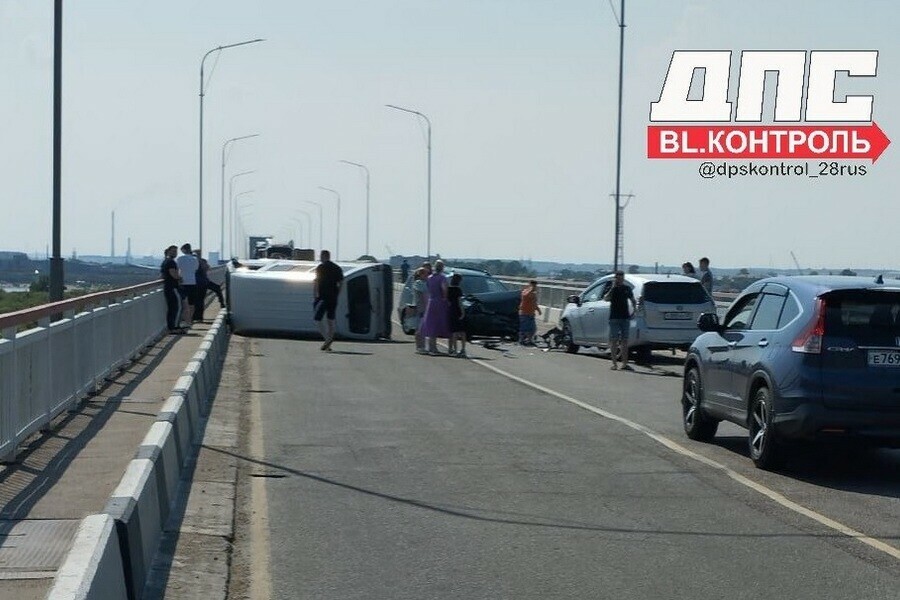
745 481
260 575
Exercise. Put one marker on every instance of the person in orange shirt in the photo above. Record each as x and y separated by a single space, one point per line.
528 306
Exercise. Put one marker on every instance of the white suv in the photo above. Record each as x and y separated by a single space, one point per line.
668 307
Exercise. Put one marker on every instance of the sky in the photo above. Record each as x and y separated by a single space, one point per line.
522 96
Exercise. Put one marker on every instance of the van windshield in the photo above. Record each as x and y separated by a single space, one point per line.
675 292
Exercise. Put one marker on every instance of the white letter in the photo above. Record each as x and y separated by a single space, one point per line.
810 141
790 67
860 146
673 104
759 142
795 138
823 69
834 142
739 135
715 142
668 142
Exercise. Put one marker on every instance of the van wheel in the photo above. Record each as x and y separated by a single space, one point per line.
765 450
697 425
571 347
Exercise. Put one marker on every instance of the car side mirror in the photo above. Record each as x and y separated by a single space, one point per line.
574 299
709 322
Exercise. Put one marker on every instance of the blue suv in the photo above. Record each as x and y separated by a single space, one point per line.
799 358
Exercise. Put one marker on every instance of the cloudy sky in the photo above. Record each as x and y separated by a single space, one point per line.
521 94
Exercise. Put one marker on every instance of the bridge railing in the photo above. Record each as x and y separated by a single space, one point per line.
553 292
65 351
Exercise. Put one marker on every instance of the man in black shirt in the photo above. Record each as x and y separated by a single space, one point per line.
328 284
618 296
171 278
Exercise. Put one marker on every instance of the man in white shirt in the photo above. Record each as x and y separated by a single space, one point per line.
187 267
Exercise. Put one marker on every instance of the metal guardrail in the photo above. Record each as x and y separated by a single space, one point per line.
47 369
553 293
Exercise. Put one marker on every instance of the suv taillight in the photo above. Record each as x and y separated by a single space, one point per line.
810 340
639 307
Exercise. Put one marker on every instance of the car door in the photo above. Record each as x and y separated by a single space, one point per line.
718 385
579 316
596 320
755 344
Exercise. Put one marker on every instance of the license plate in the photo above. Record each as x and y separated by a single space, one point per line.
884 358
677 316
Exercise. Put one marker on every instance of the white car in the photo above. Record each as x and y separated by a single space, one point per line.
668 307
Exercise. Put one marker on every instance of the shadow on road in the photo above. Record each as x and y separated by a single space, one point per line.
519 518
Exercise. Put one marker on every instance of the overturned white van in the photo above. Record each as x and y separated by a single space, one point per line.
275 297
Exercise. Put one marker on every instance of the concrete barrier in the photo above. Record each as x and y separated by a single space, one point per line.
160 448
175 411
135 507
113 552
93 567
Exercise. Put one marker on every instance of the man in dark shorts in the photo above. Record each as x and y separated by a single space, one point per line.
618 296
328 284
171 278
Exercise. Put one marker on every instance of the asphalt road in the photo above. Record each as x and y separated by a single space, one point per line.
392 475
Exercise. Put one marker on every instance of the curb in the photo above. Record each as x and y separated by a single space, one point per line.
113 551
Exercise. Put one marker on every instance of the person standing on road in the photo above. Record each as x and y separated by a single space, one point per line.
618 296
528 306
187 266
404 271
435 323
706 276
329 277
208 285
420 302
455 317
170 276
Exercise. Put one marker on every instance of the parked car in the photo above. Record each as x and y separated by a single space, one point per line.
492 309
799 358
668 307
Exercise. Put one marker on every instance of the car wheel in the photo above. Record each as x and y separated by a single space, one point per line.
571 347
764 447
697 425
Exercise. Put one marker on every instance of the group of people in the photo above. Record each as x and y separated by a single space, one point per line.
704 275
185 285
438 301
440 312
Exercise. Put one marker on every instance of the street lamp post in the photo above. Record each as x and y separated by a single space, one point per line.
222 208
321 219
240 214
428 121
202 94
308 224
234 210
619 138
57 272
337 242
231 185
366 169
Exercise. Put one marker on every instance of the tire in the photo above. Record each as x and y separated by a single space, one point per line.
697 425
571 347
643 354
765 450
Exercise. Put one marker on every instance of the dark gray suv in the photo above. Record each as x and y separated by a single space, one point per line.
803 358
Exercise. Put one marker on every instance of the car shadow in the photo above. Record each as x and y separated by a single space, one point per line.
846 466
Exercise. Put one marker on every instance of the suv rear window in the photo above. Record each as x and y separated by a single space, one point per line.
675 292
867 316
